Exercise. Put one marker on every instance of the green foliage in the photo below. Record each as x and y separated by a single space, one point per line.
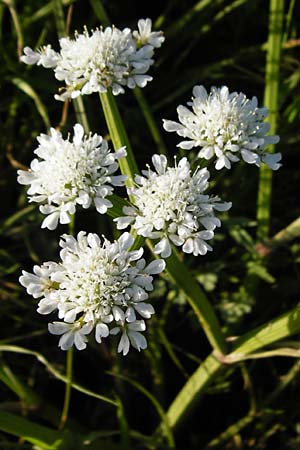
222 320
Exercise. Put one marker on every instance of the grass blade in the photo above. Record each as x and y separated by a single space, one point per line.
155 403
54 371
282 327
271 102
45 438
28 90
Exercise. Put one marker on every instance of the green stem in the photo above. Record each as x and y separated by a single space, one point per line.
118 134
146 110
69 374
283 326
198 301
271 102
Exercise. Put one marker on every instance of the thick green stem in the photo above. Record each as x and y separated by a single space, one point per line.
271 102
198 301
69 374
118 134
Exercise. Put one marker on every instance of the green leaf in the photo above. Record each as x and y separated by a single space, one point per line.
155 403
254 268
43 437
198 301
282 327
28 90
54 372
271 101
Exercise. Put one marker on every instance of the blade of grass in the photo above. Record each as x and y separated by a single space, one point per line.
19 215
283 326
124 428
100 12
177 26
155 403
271 102
14 384
45 438
55 372
15 18
28 90
44 11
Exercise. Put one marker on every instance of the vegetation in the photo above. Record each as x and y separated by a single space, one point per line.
221 370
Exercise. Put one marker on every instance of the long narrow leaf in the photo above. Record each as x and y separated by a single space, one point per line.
54 372
271 102
28 90
282 327
45 438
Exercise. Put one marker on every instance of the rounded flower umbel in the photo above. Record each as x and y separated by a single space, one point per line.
226 126
97 286
171 205
69 173
106 58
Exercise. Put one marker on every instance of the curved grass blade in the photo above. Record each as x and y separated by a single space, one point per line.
43 437
28 90
282 327
155 403
55 372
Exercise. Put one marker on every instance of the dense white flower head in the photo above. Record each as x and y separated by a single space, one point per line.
105 58
69 173
226 126
100 286
170 205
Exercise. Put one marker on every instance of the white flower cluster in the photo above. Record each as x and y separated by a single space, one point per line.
96 286
226 126
69 173
106 58
170 205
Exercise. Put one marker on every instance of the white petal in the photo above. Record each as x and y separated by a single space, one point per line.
155 267
144 309
51 221
163 248
101 331
124 344
137 340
